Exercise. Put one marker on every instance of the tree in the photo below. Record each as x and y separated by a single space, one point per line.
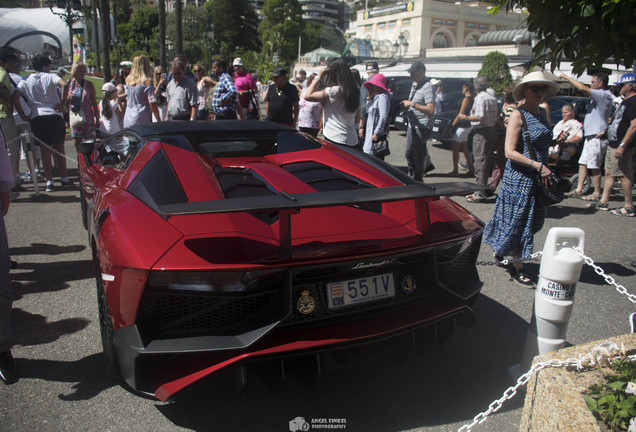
142 25
178 27
585 32
281 28
162 32
235 26
104 12
495 67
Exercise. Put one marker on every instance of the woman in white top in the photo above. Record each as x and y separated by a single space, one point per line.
109 111
341 103
140 94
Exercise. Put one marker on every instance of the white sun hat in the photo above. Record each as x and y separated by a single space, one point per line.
538 77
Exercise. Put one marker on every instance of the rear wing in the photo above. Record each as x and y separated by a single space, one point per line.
287 204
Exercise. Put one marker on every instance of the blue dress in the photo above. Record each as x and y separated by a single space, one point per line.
518 214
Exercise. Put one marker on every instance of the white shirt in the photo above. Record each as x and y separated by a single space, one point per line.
339 124
572 126
112 125
40 89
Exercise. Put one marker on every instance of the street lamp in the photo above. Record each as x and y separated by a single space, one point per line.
400 45
70 15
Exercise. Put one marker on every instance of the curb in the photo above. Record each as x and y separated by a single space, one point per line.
553 402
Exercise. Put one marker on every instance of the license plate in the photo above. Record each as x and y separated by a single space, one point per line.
356 291
435 129
399 119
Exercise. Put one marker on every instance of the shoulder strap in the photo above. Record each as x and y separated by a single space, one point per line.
526 135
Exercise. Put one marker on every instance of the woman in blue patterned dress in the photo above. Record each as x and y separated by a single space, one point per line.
518 214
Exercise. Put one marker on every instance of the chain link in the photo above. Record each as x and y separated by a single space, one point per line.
26 133
505 262
599 271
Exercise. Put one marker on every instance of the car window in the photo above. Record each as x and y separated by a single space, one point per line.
251 146
119 150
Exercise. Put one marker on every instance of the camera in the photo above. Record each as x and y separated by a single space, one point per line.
298 424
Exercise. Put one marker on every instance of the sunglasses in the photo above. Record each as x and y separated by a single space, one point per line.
196 70
537 89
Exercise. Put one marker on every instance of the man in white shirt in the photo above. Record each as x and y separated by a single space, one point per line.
595 122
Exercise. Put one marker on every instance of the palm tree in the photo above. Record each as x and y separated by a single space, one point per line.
178 28
162 33
104 12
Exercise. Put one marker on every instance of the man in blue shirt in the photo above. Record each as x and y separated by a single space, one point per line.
225 96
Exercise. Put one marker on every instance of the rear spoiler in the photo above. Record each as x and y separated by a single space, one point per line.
287 204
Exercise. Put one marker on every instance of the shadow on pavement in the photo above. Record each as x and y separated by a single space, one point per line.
87 374
390 394
31 278
34 329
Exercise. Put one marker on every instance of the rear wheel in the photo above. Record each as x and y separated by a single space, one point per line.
586 184
106 329
83 207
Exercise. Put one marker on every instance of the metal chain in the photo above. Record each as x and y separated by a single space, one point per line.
505 262
47 146
523 380
599 271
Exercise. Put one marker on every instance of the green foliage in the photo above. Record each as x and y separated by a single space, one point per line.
608 400
142 26
586 32
495 66
280 29
235 26
122 10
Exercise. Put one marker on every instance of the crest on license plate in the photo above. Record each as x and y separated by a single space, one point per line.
408 284
306 303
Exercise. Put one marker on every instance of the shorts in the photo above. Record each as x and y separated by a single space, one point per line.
593 152
619 167
49 128
461 134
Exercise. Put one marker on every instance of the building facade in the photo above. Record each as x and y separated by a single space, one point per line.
419 25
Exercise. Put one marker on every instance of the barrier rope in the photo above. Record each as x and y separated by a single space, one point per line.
601 355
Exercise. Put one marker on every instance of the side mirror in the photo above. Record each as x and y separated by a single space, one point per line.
86 147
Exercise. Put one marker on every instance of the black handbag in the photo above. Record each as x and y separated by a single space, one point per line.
380 148
548 195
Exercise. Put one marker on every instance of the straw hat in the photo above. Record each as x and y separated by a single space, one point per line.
538 77
378 80
237 62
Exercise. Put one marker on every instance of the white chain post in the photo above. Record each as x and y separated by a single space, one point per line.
554 297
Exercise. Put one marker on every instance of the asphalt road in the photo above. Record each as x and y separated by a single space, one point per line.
64 386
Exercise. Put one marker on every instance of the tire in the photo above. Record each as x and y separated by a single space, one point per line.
83 207
106 329
586 184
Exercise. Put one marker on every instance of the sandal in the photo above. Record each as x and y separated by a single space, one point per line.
574 194
624 211
475 198
590 197
598 205
520 277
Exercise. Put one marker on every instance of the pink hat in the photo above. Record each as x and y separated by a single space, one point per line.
378 80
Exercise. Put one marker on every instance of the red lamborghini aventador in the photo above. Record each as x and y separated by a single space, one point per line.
218 243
